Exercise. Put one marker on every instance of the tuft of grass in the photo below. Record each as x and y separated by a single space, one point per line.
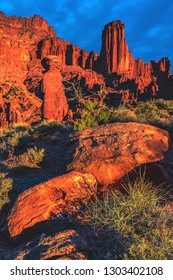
5 188
136 224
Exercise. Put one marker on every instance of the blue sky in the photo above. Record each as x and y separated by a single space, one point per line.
149 23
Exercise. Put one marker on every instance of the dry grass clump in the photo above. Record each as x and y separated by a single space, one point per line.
135 225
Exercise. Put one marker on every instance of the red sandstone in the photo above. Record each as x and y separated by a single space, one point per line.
25 42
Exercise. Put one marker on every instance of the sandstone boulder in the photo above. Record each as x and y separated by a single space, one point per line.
110 151
64 194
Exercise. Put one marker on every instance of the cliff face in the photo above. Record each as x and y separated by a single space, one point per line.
69 54
18 43
25 91
115 57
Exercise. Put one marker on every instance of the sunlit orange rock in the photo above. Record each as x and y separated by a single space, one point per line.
110 151
115 57
54 197
24 42
55 102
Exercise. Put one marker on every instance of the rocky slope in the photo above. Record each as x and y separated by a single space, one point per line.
24 93
44 217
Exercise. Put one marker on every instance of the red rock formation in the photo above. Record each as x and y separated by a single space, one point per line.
115 56
24 42
91 78
55 102
110 151
19 38
54 197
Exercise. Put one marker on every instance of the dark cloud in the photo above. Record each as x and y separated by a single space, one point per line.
149 24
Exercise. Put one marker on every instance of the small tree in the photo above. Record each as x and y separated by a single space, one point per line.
93 113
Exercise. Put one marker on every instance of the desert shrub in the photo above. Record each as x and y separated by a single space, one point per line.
89 106
19 126
123 114
136 224
146 107
5 188
93 115
48 127
158 113
88 118
164 104
13 140
3 132
104 117
32 158
15 137
87 121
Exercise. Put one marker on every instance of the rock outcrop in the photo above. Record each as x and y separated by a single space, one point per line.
115 56
25 42
55 103
110 151
64 194
66 245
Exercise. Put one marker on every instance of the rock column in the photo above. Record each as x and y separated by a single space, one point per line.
55 103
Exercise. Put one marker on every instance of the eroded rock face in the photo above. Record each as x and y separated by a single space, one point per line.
67 245
115 57
54 197
110 151
25 42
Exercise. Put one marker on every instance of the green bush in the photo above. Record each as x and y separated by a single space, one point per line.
164 104
87 121
104 117
15 137
5 188
154 112
146 107
32 158
136 224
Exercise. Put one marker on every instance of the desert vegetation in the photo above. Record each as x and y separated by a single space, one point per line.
18 143
5 188
157 112
135 224
95 112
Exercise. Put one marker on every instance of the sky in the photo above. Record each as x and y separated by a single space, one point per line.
149 23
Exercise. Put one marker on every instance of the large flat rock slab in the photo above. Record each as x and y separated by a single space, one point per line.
110 151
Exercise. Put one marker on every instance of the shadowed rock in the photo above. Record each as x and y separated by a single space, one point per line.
66 245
